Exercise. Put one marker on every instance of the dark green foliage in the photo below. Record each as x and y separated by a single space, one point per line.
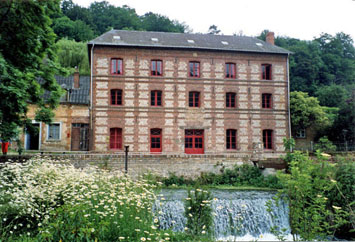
26 41
343 195
198 212
177 180
307 186
76 30
325 145
325 68
83 24
244 175
73 54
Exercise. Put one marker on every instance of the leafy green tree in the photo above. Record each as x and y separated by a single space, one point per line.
26 52
332 96
77 30
157 22
213 29
306 112
73 54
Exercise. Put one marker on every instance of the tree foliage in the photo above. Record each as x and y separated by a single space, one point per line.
100 17
73 54
26 53
325 68
308 185
306 111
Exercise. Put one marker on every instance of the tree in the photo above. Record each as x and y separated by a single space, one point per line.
213 29
26 53
306 112
73 54
157 22
332 96
77 30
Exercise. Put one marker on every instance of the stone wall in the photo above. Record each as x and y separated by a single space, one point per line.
186 165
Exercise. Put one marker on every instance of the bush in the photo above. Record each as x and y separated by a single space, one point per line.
244 175
198 212
325 145
307 188
343 195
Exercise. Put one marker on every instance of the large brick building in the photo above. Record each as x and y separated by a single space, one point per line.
174 93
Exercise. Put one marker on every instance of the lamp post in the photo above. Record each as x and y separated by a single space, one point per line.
126 150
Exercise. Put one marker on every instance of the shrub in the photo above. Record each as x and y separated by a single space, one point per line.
307 188
198 212
342 195
325 145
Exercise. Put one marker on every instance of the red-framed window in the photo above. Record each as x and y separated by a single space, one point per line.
266 71
230 100
156 68
194 139
156 140
155 98
194 99
267 139
116 138
116 97
231 139
194 68
266 100
116 66
230 70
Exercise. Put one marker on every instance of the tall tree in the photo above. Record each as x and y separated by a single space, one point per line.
306 112
73 54
213 29
26 53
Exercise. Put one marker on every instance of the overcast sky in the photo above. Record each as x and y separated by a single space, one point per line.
303 19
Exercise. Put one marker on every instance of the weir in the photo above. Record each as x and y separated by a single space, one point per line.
238 215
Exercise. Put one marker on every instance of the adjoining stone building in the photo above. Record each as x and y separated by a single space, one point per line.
172 93
70 127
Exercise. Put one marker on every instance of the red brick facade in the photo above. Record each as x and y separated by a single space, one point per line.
136 117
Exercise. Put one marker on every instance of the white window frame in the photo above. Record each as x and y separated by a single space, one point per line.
60 131
301 134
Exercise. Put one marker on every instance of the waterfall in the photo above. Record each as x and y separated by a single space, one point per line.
238 215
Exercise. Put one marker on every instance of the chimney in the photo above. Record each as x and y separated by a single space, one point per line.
270 38
76 78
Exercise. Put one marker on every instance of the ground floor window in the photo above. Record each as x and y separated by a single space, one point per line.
116 138
194 141
267 139
155 140
53 131
231 139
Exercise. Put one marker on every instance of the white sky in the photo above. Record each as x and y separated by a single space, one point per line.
302 19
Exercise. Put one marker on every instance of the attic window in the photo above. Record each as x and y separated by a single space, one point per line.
224 42
155 39
259 44
190 41
116 37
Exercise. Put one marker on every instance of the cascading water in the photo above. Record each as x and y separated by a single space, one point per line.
238 215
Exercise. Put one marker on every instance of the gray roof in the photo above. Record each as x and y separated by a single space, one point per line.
126 38
77 95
